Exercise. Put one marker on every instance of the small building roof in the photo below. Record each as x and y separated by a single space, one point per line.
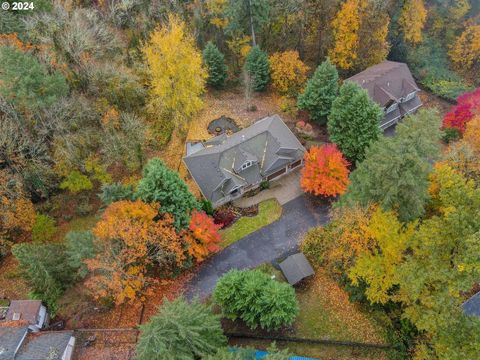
472 305
10 340
38 346
296 268
24 310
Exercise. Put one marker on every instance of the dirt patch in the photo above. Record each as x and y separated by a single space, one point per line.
12 285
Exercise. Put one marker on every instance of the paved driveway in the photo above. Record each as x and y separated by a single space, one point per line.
264 245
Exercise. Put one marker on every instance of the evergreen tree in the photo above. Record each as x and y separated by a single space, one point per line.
258 67
164 186
27 82
46 269
79 246
320 92
180 331
215 63
395 171
354 121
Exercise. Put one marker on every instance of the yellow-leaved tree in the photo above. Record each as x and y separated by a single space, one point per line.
288 72
378 266
412 20
177 76
346 26
465 52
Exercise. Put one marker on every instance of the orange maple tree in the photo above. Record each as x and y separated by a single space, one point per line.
132 241
203 237
325 172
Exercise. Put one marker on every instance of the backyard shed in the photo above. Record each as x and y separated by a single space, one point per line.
296 268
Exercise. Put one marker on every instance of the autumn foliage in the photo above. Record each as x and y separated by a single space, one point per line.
472 134
203 237
468 105
465 52
288 72
412 20
132 240
325 172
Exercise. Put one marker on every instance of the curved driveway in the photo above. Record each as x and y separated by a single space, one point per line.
264 245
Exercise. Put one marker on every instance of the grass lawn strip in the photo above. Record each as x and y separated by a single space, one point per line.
268 212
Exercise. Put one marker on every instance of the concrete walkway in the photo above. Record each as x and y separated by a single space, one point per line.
264 245
284 190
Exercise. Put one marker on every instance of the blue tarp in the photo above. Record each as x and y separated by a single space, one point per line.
260 354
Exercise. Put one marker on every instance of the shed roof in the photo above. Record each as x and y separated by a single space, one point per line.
296 267
24 310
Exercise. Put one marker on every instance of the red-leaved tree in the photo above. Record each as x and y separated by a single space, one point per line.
202 236
468 105
325 172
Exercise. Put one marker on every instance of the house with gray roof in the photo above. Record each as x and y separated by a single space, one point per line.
20 343
31 311
391 85
472 305
225 167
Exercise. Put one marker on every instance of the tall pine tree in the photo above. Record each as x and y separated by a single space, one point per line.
354 121
258 67
214 60
320 92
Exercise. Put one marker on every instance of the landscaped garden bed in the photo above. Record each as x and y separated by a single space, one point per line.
268 212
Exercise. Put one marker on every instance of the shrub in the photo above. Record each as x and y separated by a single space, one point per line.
224 217
116 192
76 182
258 67
316 244
255 298
215 63
180 331
451 135
43 229
265 184
207 206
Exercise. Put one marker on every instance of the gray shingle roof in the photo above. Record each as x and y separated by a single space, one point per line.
268 143
295 268
472 305
386 82
39 345
10 340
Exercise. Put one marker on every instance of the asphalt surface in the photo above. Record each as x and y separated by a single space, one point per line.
264 245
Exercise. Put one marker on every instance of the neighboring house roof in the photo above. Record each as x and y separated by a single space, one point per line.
386 82
24 310
296 268
472 305
217 168
10 340
38 346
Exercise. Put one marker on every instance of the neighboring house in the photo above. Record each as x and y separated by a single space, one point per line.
18 343
31 311
225 167
472 305
391 85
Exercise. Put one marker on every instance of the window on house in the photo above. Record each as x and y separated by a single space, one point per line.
409 96
391 108
247 164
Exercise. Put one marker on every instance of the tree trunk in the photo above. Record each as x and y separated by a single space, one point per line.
254 40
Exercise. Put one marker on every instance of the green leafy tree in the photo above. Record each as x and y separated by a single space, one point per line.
244 16
441 266
395 171
164 186
258 67
116 192
75 182
44 228
27 82
46 269
79 247
180 331
354 121
320 92
255 298
214 60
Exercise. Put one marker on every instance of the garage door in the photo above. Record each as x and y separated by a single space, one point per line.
277 173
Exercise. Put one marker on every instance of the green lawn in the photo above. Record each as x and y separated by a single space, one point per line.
268 212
